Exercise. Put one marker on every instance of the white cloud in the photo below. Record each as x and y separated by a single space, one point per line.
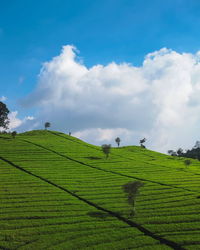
100 136
3 99
16 122
159 100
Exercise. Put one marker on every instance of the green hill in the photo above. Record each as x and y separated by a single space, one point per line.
58 192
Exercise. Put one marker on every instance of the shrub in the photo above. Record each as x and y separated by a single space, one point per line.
187 162
14 133
106 149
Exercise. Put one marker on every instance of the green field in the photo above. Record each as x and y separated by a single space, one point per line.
58 192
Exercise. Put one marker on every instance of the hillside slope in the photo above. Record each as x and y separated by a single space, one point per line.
58 192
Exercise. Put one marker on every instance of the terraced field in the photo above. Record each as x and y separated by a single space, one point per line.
58 192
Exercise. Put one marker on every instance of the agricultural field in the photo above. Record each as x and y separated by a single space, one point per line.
58 192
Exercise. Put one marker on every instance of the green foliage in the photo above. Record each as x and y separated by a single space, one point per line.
47 125
132 189
106 149
180 152
4 121
190 153
14 133
187 162
118 140
171 152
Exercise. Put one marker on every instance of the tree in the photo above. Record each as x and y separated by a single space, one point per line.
190 153
14 133
106 149
4 121
171 152
47 125
142 141
187 162
197 145
179 152
132 190
118 140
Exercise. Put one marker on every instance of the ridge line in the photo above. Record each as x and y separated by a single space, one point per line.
127 158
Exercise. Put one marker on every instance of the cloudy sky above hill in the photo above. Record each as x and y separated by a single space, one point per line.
132 72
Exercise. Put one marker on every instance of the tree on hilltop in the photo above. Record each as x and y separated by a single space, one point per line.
172 152
118 140
47 125
142 141
197 145
4 121
180 152
189 153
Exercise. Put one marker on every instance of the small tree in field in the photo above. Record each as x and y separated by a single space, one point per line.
14 133
132 190
118 140
187 162
47 125
106 149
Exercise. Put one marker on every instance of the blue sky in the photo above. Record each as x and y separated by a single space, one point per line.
33 32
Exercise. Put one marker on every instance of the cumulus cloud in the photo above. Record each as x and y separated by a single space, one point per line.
99 135
158 100
16 123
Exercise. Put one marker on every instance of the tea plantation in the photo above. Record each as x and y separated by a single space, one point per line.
58 192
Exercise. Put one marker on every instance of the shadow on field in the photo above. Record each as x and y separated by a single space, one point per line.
5 138
93 158
101 215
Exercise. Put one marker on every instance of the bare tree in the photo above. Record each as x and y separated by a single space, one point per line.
118 140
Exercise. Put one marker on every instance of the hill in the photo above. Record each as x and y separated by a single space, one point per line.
58 192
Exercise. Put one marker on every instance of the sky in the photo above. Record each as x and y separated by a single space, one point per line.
103 69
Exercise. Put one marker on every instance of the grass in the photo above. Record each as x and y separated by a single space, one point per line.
58 192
